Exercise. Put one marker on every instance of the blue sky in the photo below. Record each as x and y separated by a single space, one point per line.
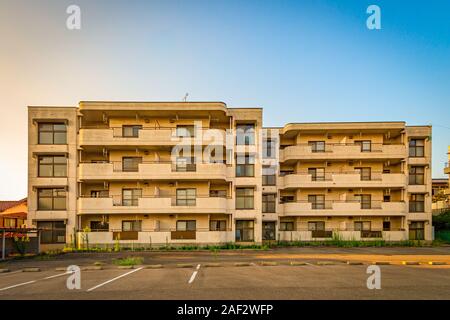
300 60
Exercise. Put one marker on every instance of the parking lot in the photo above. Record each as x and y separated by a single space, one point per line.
275 274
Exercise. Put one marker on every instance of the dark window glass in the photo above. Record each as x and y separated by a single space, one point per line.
186 225
365 200
317 146
99 226
52 133
130 197
417 230
317 174
269 148
131 131
186 197
317 201
244 198
244 230
316 226
366 145
365 173
287 226
217 225
416 175
268 203
52 166
245 166
245 134
417 203
131 164
269 176
186 131
416 147
52 231
362 226
132 225
51 199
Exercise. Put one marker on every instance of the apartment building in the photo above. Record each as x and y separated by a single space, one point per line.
155 173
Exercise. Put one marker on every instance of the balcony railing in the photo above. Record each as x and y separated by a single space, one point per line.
343 151
330 204
321 233
371 234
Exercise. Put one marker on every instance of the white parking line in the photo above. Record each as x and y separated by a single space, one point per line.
194 274
33 281
114 279
18 285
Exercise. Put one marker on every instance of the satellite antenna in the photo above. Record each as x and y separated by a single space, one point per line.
185 97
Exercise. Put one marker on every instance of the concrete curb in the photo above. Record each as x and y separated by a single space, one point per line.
354 263
381 263
212 265
437 263
410 263
125 267
243 264
4 270
91 268
325 263
298 263
185 265
61 269
153 266
32 269
268 263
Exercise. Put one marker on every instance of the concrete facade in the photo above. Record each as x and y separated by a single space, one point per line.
123 175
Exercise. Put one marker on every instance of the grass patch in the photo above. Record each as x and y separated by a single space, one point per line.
129 261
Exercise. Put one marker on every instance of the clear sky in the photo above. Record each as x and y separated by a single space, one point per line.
299 60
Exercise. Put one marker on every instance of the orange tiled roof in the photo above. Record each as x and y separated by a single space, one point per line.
9 204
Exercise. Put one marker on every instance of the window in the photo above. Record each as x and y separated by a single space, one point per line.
362 226
9 223
99 226
417 230
218 193
99 193
132 225
245 134
244 198
131 131
386 225
317 146
268 202
269 177
417 203
52 166
131 164
217 225
366 145
244 230
52 133
51 199
52 231
317 201
386 198
317 174
287 226
245 166
130 197
416 147
186 225
269 149
185 164
186 197
185 131
365 173
268 230
285 199
316 226
365 200
416 175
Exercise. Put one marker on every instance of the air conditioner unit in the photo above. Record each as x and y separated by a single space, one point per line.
387 192
329 136
350 190
350 163
329 190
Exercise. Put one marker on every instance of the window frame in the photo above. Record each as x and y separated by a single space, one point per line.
267 205
218 225
414 147
189 131
317 205
53 132
241 226
416 205
136 193
54 195
135 167
245 197
136 225
413 176
52 165
315 146
187 199
246 169
53 231
284 224
363 144
245 134
314 174
135 128
188 225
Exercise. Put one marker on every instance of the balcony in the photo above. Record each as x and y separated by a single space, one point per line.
343 151
149 137
447 168
347 179
154 205
343 208
148 238
345 235
152 171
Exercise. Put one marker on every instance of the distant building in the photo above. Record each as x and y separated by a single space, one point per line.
13 214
